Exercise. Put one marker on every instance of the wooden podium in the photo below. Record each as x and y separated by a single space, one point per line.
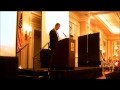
65 54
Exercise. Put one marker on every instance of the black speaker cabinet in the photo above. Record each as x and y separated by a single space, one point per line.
89 50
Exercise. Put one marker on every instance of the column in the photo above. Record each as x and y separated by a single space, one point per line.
84 26
110 49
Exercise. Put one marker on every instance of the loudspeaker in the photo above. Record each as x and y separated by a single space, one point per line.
8 67
89 50
45 56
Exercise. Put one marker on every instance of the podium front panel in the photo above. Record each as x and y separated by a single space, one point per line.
65 54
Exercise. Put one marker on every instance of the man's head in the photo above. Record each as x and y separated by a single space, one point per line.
57 26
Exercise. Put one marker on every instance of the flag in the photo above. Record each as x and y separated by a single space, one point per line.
19 34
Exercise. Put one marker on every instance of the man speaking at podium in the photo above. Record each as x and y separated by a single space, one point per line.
53 35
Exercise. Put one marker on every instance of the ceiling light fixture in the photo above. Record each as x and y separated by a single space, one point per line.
114 30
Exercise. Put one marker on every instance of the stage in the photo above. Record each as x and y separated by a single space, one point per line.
9 70
77 73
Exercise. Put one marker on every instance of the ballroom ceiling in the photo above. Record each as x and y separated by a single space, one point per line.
111 17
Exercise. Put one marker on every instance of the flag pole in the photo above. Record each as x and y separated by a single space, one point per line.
19 35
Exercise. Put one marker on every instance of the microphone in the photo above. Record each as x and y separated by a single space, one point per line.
64 35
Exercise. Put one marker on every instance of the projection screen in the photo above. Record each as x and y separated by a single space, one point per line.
8 23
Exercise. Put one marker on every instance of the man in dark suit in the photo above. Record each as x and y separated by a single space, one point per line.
53 35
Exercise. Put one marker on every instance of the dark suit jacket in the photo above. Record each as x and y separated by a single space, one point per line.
53 39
